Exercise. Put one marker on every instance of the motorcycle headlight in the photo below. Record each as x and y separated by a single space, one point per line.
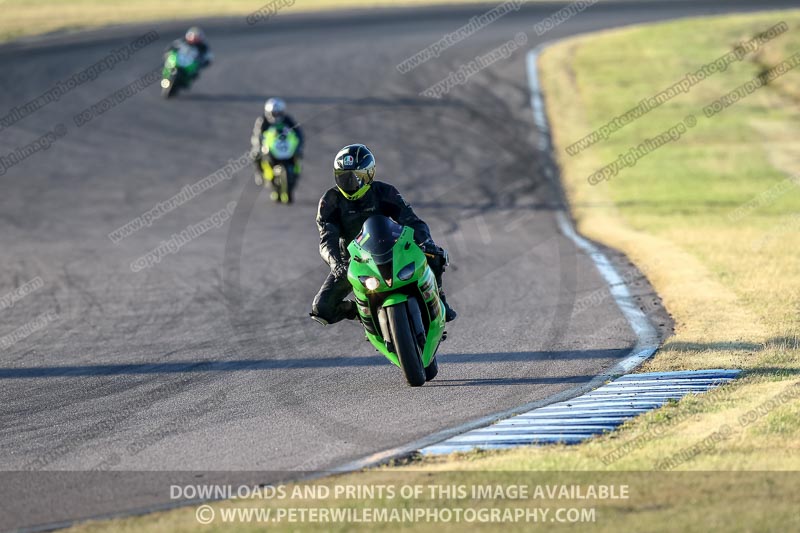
406 272
369 282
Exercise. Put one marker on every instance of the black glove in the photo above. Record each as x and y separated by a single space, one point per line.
445 257
430 248
339 271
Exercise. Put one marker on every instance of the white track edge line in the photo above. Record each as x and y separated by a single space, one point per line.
647 337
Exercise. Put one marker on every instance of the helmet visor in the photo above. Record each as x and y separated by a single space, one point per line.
350 181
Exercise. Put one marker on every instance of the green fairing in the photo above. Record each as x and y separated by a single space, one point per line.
176 75
172 62
281 142
169 64
395 299
404 252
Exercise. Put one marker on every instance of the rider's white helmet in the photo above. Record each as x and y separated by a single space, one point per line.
274 109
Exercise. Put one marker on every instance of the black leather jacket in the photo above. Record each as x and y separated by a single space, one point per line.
339 220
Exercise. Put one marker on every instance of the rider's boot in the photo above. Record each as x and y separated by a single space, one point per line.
449 313
346 310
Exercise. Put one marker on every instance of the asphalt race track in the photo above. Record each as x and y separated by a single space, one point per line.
207 361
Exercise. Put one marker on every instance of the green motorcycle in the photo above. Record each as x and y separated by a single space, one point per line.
397 297
180 69
279 166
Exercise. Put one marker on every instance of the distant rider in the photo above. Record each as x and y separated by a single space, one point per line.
194 38
274 115
343 209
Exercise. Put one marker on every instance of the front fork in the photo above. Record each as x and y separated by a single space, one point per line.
412 308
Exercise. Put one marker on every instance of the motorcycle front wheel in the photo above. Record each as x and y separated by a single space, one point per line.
432 369
281 183
405 345
168 85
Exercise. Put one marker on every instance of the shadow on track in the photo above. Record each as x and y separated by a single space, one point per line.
482 382
399 101
239 365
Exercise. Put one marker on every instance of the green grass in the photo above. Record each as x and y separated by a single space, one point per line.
732 286
730 281
678 204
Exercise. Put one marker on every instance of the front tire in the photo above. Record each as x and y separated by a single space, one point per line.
281 173
432 369
405 345
291 181
171 89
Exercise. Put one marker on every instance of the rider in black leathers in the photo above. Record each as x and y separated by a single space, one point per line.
342 211
274 114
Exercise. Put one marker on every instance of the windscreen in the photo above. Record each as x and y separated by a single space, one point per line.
378 235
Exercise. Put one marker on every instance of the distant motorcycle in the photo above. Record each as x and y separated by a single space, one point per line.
278 165
180 69
397 297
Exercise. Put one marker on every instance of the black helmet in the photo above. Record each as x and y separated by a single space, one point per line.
354 170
